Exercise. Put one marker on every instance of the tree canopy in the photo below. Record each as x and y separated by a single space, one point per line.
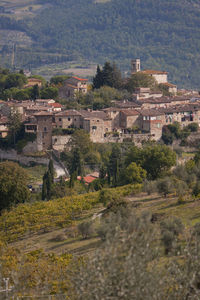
13 184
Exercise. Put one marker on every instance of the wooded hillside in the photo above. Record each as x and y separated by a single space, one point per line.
163 33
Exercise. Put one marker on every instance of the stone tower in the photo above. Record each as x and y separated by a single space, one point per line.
135 65
44 130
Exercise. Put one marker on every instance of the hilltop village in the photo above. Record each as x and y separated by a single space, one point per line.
140 119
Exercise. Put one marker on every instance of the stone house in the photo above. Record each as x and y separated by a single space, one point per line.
56 107
3 126
159 76
183 114
152 121
114 114
33 81
68 119
30 111
44 102
145 93
129 118
97 124
172 88
72 86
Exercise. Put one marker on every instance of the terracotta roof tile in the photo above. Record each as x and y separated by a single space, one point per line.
79 79
154 72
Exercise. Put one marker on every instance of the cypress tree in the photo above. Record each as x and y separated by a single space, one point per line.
49 184
35 92
51 170
76 165
102 172
98 79
44 187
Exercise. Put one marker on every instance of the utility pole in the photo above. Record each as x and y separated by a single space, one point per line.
6 280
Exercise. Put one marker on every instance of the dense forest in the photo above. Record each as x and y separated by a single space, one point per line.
163 33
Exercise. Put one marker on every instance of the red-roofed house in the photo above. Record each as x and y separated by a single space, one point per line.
87 179
56 106
72 86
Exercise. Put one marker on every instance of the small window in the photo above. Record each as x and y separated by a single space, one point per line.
55 140
69 119
45 129
60 119
74 119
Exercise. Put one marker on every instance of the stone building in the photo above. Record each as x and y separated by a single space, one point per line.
68 119
97 124
114 114
159 76
172 88
72 86
129 119
152 122
3 126
33 81
184 114
44 130
135 66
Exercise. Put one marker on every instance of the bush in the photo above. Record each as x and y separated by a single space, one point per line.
150 187
170 229
165 186
193 127
86 229
196 189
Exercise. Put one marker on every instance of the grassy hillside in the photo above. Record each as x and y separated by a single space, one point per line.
163 33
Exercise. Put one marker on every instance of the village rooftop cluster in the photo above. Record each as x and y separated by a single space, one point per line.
140 119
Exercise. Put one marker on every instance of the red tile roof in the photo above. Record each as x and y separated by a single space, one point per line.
79 79
87 179
154 72
130 112
55 105
168 84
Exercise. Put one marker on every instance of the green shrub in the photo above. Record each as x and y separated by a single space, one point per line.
86 229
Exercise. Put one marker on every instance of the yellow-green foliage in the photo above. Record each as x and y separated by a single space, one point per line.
44 216
33 272
125 190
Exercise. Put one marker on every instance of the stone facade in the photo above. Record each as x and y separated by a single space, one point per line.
59 142
135 65
72 86
44 130
129 119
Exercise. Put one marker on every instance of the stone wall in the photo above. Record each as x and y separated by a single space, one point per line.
59 142
30 147
25 160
